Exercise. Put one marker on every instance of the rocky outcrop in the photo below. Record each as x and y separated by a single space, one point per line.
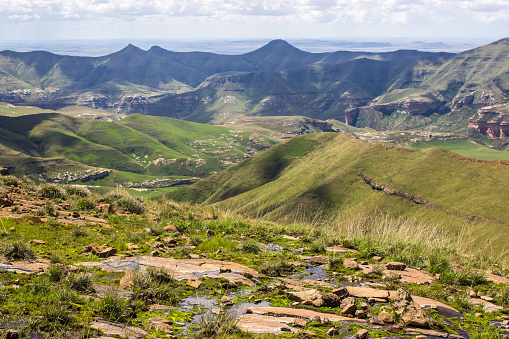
83 176
161 183
415 105
492 121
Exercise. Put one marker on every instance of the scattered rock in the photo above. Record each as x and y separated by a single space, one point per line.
317 302
366 292
331 299
361 314
111 328
487 306
308 294
105 208
38 242
409 311
350 264
193 282
386 317
396 266
226 301
349 309
362 334
159 324
373 319
332 331
347 301
341 292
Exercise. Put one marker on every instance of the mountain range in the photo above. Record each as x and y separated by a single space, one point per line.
394 90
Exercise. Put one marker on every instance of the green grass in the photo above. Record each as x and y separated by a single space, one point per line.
464 147
316 177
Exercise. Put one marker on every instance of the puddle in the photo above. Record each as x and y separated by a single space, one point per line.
17 325
313 273
191 302
273 248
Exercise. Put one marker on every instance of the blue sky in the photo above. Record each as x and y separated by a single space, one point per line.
315 19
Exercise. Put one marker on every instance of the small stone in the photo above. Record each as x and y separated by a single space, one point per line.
376 258
386 317
38 242
226 300
318 302
364 263
479 315
361 314
12 229
349 309
350 264
396 266
193 282
159 324
194 256
486 298
107 252
362 334
169 241
332 331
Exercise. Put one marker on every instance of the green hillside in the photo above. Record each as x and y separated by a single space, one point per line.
323 176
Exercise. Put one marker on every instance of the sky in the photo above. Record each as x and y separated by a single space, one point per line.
251 19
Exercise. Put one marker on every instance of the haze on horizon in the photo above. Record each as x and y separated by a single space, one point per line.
33 20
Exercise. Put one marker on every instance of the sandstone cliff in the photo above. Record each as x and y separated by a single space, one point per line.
492 121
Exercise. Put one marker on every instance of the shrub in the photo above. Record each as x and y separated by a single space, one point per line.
250 246
56 273
52 191
10 180
155 285
84 204
56 314
79 191
214 326
18 251
49 209
114 307
133 204
81 282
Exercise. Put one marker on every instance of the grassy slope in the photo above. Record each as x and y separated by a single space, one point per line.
316 176
464 147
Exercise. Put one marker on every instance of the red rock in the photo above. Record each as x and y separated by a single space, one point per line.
159 324
386 317
362 334
396 266
349 309
193 283
366 292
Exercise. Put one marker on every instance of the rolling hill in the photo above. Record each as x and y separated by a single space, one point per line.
323 176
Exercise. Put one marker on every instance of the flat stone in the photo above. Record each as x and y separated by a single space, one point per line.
301 313
408 275
340 249
366 292
440 307
487 306
396 266
319 259
111 328
193 282
24 267
260 324
496 278
308 294
38 242
362 334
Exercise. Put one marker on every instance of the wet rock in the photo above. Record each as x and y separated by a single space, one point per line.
366 292
226 301
362 334
301 313
409 311
159 324
349 309
331 299
193 282
111 328
308 294
396 266
386 317
350 264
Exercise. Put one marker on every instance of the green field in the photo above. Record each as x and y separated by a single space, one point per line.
464 147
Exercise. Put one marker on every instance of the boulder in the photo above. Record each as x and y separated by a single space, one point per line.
386 317
362 334
331 299
4 171
111 328
127 279
347 301
193 282
349 309
409 311
169 241
308 294
226 300
317 302
341 292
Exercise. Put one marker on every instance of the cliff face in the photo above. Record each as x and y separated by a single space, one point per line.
492 121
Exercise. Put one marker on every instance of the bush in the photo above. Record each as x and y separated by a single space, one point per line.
250 246
79 191
56 273
214 326
10 180
52 191
84 204
133 204
56 314
81 282
18 251
114 307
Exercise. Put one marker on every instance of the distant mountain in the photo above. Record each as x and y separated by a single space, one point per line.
393 90
323 176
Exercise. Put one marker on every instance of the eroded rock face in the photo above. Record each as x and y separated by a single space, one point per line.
492 121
